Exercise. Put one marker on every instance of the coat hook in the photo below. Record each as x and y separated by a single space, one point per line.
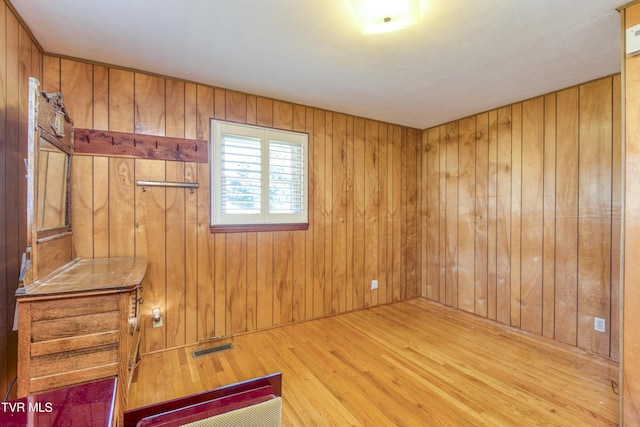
113 142
88 140
196 148
156 145
134 142
177 147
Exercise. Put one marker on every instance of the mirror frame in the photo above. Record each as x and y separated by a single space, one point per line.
57 229
47 249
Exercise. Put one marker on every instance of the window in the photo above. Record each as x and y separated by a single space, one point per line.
259 178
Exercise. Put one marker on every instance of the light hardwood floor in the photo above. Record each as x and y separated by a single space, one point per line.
409 363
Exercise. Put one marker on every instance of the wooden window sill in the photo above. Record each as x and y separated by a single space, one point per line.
246 228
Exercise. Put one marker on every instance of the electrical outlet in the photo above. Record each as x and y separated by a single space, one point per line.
374 284
599 324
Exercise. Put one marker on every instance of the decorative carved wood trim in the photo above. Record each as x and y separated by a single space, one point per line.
124 144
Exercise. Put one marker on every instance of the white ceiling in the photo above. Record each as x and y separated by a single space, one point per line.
463 57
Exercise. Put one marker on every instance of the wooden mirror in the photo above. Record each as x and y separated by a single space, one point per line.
50 147
52 206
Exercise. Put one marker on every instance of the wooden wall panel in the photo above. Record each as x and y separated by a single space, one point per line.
20 58
364 199
481 214
370 231
299 242
175 260
150 242
630 369
359 257
530 197
466 214
319 220
492 216
503 217
532 214
423 217
395 144
6 196
205 296
441 211
549 224
566 300
432 198
617 198
309 243
236 298
328 212
594 213
451 221
388 216
367 197
516 214
191 220
412 206
339 209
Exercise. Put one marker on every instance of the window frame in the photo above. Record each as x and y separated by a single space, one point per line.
220 222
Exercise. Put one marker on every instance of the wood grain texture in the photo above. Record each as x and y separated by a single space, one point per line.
442 228
566 327
532 214
51 76
328 213
517 197
385 223
503 217
151 243
219 285
125 144
516 215
452 212
617 198
340 212
411 219
492 215
19 60
366 196
594 213
481 215
424 364
466 219
370 248
433 215
319 220
395 293
549 216
630 376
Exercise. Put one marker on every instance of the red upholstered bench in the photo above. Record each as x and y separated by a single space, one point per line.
252 402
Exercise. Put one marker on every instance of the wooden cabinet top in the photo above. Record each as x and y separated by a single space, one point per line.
88 275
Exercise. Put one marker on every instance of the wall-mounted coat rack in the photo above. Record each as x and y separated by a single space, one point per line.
124 144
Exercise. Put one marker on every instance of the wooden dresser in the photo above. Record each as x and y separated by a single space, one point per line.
80 323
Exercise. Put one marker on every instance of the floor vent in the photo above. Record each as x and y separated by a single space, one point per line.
212 350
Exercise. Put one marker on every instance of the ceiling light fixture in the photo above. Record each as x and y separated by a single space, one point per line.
383 16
